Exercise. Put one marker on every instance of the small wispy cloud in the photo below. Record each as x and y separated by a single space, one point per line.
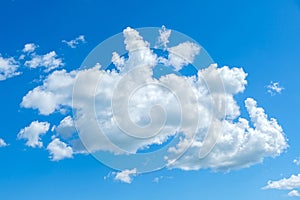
159 178
2 143
297 161
125 176
274 88
73 43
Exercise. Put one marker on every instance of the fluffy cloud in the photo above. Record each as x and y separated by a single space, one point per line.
49 61
33 132
73 43
239 142
59 150
2 143
54 95
297 161
294 193
8 68
285 183
29 48
290 183
66 129
126 175
181 55
274 88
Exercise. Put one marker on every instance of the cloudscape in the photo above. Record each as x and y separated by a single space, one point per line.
143 100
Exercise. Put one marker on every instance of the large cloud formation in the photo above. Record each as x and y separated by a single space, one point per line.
240 141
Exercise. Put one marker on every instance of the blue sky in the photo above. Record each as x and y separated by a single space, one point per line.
260 37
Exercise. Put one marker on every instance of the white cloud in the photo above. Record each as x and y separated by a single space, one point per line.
29 48
126 175
159 178
291 183
163 38
117 60
285 183
33 132
73 43
66 129
2 143
294 193
297 161
241 142
49 61
181 55
238 144
53 95
8 68
59 150
274 88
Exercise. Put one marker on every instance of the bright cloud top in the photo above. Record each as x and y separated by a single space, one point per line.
241 141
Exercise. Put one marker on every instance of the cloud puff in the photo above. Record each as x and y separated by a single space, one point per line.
73 43
240 142
294 193
2 143
126 175
54 95
285 183
59 150
297 161
66 129
8 68
274 88
33 132
29 48
163 38
49 61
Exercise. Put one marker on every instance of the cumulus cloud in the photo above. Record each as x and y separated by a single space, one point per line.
239 145
8 68
2 143
33 132
274 88
294 193
291 183
49 61
54 95
181 55
29 48
240 142
59 150
74 43
126 175
66 129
